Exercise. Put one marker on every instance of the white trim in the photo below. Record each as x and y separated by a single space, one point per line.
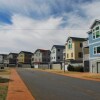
94 58
94 43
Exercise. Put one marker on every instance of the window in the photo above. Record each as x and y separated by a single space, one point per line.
81 45
54 57
97 50
58 49
53 51
97 28
80 54
96 32
58 57
70 44
32 59
93 35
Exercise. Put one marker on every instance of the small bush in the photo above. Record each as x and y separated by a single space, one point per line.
77 69
70 68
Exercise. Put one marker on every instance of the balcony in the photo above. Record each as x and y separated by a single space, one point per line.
85 43
86 57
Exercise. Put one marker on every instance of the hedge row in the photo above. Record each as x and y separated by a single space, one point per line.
77 69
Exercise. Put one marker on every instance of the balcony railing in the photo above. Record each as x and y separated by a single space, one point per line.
86 57
85 43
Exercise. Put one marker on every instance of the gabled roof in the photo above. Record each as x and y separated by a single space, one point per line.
42 50
58 46
3 54
26 52
94 23
13 53
77 39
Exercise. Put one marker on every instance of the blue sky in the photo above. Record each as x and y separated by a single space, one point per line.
31 24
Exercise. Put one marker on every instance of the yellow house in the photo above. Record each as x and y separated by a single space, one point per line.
24 57
74 49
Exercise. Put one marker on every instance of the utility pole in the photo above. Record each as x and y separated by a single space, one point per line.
64 65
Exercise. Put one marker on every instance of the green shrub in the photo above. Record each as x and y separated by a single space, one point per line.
70 68
76 69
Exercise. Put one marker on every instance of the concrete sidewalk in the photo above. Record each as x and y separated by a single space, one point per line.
17 89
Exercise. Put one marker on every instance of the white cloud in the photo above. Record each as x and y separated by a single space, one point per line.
29 34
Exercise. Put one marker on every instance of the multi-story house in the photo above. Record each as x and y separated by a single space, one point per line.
24 57
11 59
74 52
40 57
94 47
2 57
57 57
57 53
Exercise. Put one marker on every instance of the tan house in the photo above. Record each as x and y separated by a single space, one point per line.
74 53
24 57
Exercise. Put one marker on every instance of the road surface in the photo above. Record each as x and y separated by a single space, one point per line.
49 86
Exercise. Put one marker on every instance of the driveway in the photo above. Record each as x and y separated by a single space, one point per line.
49 86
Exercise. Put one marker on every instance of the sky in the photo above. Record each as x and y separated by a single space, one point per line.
27 25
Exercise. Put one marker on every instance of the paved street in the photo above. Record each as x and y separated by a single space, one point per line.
49 86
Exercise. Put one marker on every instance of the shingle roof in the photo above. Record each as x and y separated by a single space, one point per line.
26 52
77 38
42 50
97 20
13 53
58 46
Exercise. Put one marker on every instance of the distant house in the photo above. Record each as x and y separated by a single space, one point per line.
40 57
11 59
2 58
57 53
57 57
74 53
24 57
94 47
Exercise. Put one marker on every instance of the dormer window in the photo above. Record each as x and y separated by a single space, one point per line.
96 32
70 44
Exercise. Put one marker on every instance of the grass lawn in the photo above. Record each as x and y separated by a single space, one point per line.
96 76
4 72
4 80
3 92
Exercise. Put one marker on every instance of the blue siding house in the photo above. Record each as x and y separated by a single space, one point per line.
94 47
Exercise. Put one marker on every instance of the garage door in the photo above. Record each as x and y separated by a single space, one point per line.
36 66
56 66
98 67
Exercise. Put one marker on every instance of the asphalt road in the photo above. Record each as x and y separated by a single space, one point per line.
48 86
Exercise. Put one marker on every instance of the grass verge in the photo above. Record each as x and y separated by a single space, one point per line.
3 92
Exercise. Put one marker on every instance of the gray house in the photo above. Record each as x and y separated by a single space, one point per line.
40 58
57 53
57 56
11 59
2 57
